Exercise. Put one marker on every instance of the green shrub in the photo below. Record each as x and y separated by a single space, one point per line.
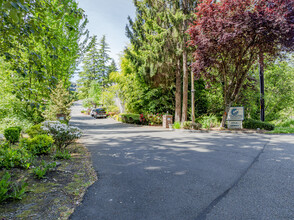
187 125
15 157
40 144
12 121
254 124
282 130
197 126
287 124
154 119
12 134
63 134
35 130
40 172
62 155
4 145
209 121
177 125
130 118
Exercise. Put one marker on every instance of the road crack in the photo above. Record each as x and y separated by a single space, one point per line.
203 214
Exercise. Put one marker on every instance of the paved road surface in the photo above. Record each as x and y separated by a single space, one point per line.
152 173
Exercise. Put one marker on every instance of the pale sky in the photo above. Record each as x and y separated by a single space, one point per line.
109 18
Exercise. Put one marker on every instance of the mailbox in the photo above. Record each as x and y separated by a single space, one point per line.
167 120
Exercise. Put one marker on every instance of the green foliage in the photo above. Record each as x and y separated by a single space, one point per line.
96 69
286 127
177 125
282 130
40 46
41 171
40 144
254 124
12 157
287 124
279 87
10 190
151 119
130 118
62 155
95 93
12 134
136 94
35 130
5 186
207 122
60 103
187 125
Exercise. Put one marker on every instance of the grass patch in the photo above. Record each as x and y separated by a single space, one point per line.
282 130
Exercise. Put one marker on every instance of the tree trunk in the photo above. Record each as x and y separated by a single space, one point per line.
185 66
185 85
178 92
225 115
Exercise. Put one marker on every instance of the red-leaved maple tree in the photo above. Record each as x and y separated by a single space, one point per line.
230 35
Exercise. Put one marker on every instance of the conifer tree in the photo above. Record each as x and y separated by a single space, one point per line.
60 103
159 37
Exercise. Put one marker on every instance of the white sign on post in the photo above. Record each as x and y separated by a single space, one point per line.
236 114
235 118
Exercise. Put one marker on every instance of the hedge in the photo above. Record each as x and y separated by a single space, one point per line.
254 124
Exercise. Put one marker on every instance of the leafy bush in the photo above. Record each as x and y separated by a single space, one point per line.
62 155
287 124
143 120
187 125
62 134
177 125
209 121
10 190
197 126
12 134
4 145
154 119
40 172
254 124
15 157
35 130
130 118
282 130
13 121
40 144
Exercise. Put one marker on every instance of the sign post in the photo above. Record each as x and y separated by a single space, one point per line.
235 118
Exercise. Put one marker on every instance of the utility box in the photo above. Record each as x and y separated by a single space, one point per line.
167 120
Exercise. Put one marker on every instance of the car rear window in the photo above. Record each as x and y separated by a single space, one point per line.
101 110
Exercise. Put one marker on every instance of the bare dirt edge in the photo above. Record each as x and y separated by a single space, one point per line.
57 195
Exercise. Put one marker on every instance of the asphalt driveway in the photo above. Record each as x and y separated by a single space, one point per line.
154 173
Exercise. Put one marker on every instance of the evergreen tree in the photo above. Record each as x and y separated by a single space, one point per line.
103 60
159 41
91 71
60 103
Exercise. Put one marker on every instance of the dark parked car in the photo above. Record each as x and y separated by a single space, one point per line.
99 113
